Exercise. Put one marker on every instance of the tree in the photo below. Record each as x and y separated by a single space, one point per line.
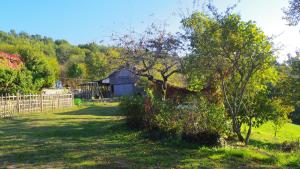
280 112
294 78
97 65
292 14
291 85
154 52
76 70
39 69
63 51
13 81
236 57
43 75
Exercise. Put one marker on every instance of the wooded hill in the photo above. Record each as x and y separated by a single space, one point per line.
47 60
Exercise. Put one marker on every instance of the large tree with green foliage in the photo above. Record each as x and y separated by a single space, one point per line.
237 58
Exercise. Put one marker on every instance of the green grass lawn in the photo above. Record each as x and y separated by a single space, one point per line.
95 136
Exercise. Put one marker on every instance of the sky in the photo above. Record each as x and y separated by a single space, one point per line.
84 21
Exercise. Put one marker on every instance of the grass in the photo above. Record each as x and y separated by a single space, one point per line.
289 132
95 136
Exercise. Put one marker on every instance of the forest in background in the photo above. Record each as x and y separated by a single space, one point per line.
47 60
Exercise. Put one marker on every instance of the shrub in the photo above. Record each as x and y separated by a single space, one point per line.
205 123
197 121
134 110
290 146
166 118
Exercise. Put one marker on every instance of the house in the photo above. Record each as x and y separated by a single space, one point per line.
121 82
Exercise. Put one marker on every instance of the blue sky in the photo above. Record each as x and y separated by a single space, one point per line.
82 21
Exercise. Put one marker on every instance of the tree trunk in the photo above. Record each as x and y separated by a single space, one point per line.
237 130
275 131
240 136
249 132
164 90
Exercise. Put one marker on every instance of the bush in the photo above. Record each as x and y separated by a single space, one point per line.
205 123
196 122
134 110
290 146
166 118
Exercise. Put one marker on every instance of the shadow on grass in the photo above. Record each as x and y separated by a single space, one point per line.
294 164
102 142
95 111
265 145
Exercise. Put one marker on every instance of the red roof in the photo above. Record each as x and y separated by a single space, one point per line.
10 60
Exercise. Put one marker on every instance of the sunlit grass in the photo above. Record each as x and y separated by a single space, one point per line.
266 133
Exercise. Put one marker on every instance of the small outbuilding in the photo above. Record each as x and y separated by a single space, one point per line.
121 82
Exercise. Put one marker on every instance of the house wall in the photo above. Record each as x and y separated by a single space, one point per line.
123 89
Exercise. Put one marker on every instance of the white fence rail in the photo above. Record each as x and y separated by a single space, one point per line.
16 104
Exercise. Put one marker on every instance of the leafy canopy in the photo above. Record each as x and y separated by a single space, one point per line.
235 58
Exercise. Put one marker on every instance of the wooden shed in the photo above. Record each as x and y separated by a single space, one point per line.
121 82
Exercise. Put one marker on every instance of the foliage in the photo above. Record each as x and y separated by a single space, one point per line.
204 123
14 81
292 14
77 70
97 65
280 114
133 108
40 68
197 121
46 60
167 120
153 54
43 74
235 57
291 85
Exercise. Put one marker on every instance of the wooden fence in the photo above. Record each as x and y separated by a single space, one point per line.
16 104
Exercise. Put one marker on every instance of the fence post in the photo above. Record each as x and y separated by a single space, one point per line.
41 102
5 105
58 100
30 108
1 106
52 101
72 99
18 102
